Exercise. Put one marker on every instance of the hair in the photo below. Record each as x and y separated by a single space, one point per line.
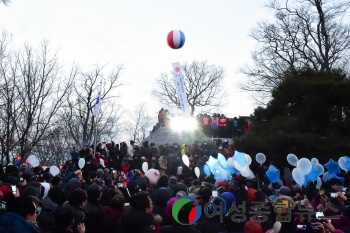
77 197
140 201
108 195
26 206
47 176
55 181
64 217
117 202
163 181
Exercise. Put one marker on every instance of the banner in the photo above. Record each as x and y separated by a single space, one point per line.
180 87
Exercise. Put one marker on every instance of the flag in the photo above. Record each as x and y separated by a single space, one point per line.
97 104
181 90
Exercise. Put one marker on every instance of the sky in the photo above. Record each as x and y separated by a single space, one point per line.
134 32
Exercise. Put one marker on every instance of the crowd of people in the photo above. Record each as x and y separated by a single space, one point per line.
214 126
116 195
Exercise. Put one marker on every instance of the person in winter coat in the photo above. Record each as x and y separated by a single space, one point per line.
163 166
76 202
139 217
113 211
64 221
20 219
96 221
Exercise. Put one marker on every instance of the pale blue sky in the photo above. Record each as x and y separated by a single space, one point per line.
134 32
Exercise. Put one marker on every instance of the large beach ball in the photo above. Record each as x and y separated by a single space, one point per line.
176 39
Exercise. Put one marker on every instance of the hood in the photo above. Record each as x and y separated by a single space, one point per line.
162 196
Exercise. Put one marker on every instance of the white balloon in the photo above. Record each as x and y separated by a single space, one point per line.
54 170
248 158
321 168
292 159
251 176
260 158
35 163
341 163
197 172
298 176
32 160
230 161
145 167
186 160
102 162
314 160
304 165
319 183
81 163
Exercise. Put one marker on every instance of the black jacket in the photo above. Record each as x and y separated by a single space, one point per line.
136 221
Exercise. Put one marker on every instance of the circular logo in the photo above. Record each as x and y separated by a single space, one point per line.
186 211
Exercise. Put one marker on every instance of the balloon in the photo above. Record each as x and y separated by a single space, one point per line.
273 174
326 176
81 163
186 160
298 176
245 173
197 172
176 39
260 158
152 175
248 158
232 170
292 159
347 162
304 165
54 170
102 162
222 161
314 160
319 183
251 176
341 163
312 176
213 164
145 167
31 159
35 163
230 161
207 171
332 167
240 159
222 174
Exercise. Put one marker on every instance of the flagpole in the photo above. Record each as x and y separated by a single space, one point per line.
97 114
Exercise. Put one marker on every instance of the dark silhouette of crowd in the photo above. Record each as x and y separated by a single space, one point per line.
118 196
214 126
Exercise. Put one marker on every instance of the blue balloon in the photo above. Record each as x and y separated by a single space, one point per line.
207 171
222 161
213 164
221 175
232 170
273 174
332 167
313 174
240 158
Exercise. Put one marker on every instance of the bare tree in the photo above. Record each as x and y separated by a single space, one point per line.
55 150
5 2
139 124
305 34
32 89
77 115
204 87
